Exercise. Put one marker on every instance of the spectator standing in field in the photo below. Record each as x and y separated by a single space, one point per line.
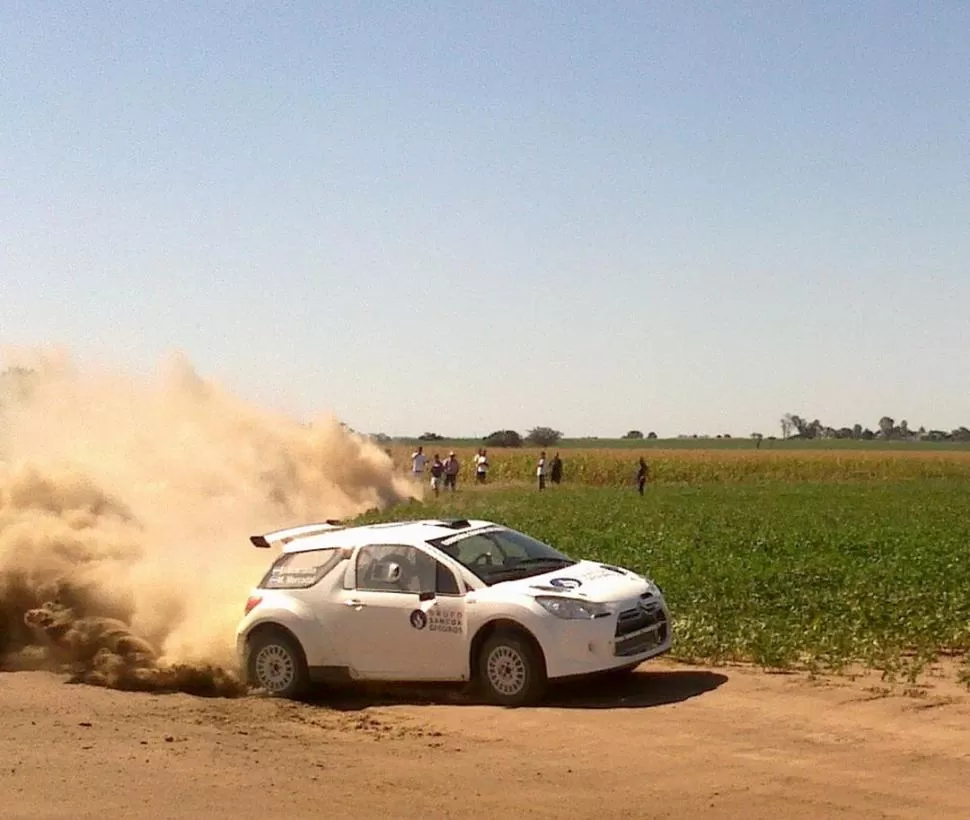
541 470
418 459
481 466
555 469
451 470
437 470
642 472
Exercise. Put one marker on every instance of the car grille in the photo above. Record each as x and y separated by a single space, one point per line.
641 628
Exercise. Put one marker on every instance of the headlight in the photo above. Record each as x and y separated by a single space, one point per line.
652 586
571 608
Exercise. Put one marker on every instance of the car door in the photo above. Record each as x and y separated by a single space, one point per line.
390 633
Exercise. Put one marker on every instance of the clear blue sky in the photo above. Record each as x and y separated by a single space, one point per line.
681 217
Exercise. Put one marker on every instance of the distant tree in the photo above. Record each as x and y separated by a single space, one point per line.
503 438
786 425
543 436
651 434
856 431
886 427
633 434
757 436
430 437
381 438
867 435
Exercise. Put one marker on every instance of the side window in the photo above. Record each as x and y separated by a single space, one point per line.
300 570
400 568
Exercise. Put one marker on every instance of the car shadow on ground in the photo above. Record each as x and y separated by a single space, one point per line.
636 690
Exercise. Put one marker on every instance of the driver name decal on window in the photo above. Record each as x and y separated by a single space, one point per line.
301 570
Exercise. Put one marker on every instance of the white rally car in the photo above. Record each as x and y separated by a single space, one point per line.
441 600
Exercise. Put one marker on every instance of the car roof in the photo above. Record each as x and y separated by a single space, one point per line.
391 532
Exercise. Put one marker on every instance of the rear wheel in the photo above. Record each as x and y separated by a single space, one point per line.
277 665
512 670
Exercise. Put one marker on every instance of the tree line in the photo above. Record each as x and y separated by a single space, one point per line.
797 427
15 384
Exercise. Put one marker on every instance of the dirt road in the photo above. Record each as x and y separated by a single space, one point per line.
670 742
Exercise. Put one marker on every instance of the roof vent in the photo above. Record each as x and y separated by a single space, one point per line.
455 523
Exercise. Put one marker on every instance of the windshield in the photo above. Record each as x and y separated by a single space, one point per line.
499 554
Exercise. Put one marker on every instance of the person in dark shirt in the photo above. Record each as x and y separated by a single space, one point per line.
555 469
642 472
437 469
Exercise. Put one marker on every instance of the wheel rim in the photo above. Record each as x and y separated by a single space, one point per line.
506 670
275 668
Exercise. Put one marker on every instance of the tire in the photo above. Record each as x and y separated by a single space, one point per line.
511 670
276 664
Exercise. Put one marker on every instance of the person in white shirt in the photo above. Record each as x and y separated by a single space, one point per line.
481 466
541 470
418 459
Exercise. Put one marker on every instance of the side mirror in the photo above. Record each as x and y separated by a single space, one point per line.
426 596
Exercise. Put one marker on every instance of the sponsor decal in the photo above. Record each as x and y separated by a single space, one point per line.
445 621
437 620
418 619
565 583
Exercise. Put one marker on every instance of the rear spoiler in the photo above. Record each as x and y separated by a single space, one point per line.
292 533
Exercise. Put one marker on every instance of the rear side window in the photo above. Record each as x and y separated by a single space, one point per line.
300 570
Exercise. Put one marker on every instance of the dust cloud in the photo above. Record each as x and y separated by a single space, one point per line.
126 503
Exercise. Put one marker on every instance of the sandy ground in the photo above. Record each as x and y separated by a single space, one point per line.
670 741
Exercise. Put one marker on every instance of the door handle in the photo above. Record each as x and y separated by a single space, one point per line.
355 603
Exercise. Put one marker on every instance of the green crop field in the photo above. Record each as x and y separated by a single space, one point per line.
808 574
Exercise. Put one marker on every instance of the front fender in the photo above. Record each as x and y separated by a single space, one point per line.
524 615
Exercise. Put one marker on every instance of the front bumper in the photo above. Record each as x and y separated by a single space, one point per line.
634 632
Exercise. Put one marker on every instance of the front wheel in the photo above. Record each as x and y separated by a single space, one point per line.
276 664
511 670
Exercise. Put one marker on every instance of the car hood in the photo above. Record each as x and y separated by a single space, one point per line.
589 580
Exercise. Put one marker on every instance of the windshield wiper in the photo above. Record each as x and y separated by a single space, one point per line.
530 562
527 564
